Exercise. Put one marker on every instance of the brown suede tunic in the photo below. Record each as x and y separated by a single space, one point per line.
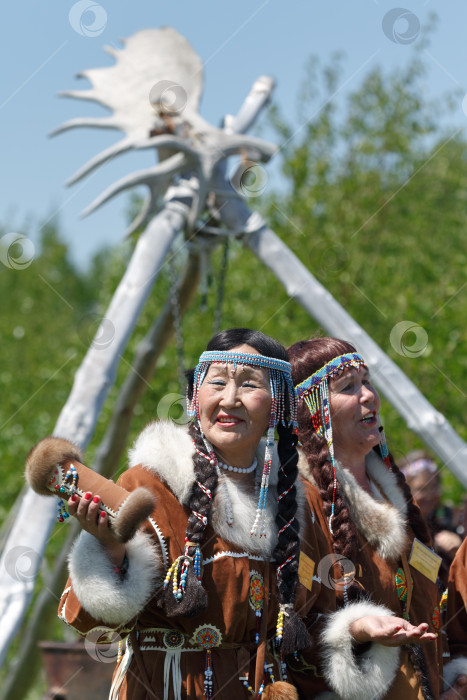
230 577
376 576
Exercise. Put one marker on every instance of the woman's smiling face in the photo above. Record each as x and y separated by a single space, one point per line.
234 406
354 405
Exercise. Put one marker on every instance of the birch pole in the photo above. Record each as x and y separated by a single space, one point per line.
26 543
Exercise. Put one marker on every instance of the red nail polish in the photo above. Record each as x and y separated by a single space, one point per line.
96 499
74 498
103 513
87 495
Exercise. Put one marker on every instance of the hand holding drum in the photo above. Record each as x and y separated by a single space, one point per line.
54 466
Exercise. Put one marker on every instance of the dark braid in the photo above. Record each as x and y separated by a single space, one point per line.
200 501
195 598
295 635
317 454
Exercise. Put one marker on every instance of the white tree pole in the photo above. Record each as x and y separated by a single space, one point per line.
27 540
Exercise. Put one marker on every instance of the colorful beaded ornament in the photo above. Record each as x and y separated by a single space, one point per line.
283 410
180 567
207 637
256 598
402 590
314 391
437 614
68 486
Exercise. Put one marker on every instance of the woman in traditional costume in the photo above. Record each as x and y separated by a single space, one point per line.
377 637
206 612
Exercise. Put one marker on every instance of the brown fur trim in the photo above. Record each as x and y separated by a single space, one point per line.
279 691
44 457
137 507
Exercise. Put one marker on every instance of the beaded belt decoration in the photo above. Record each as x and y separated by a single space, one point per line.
314 392
206 637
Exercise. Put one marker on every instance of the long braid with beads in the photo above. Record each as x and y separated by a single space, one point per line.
294 634
187 596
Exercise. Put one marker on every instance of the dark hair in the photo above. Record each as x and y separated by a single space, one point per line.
306 357
288 544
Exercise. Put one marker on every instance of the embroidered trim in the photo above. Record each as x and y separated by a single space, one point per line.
236 555
164 550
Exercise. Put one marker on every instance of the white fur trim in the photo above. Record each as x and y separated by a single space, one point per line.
454 668
101 591
167 450
382 522
375 670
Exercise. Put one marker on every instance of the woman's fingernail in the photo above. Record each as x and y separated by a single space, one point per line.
96 499
103 513
398 629
74 498
87 495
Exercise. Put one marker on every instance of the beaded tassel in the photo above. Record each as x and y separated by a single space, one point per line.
208 675
180 565
62 513
283 668
66 488
244 680
280 626
383 446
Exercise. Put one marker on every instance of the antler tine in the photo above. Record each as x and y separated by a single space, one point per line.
157 176
98 122
258 149
89 95
141 218
105 155
168 141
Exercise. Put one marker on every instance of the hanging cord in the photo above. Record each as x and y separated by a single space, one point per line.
177 321
221 287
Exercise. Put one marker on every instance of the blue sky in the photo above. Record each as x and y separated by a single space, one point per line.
42 51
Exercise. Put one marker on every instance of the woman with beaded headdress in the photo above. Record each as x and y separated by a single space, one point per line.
205 591
377 638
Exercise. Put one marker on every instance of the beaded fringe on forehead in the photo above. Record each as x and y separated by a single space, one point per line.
283 410
314 391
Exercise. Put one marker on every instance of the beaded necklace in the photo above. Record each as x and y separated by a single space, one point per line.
239 470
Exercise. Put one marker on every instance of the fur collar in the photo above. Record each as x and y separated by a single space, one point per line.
381 517
166 449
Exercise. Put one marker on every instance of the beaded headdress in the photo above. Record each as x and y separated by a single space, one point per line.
283 410
314 391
